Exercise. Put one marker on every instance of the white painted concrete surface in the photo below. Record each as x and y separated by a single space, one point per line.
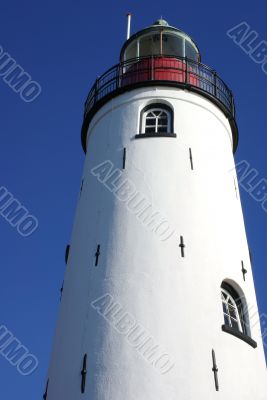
173 300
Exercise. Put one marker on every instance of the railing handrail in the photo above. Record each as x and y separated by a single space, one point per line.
215 87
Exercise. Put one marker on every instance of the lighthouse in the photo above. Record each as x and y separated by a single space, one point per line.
158 300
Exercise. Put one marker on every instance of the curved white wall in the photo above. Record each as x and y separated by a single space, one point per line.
175 300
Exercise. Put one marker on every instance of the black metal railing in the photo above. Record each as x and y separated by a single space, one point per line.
173 69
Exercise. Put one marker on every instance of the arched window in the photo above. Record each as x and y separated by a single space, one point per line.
232 310
235 313
157 119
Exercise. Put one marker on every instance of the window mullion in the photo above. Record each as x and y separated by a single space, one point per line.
233 312
157 120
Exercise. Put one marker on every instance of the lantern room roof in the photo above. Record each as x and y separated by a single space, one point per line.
161 22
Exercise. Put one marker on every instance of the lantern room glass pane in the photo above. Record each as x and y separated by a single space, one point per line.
150 45
131 51
173 45
190 51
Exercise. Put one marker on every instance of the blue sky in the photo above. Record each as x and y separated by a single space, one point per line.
64 46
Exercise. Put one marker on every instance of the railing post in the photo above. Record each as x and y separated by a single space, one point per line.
86 107
96 89
186 70
118 73
152 69
232 104
215 83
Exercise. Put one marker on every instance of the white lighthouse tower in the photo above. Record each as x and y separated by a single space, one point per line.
158 301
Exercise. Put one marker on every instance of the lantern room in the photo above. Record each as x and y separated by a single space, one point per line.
162 53
160 39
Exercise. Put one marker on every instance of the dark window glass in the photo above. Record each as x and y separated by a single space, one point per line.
150 130
162 129
150 121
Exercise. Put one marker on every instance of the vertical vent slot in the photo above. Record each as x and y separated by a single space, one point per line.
83 373
215 371
182 246
124 158
97 255
191 158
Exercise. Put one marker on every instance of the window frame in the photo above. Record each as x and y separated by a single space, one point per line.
155 118
239 306
230 305
243 332
157 107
